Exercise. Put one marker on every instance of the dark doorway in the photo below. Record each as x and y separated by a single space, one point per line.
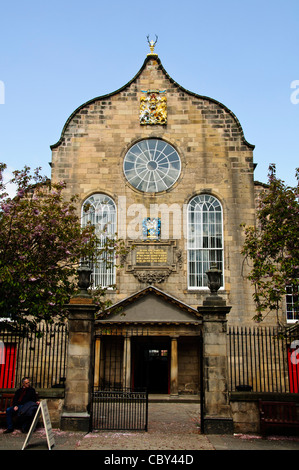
150 365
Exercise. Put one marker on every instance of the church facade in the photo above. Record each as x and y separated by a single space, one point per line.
170 172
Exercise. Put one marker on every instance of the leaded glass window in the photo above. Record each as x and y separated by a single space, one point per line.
100 211
152 165
205 239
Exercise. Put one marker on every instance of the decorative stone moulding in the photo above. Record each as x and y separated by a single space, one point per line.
152 277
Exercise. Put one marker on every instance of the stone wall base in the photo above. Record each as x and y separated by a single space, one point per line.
215 425
245 409
246 417
75 422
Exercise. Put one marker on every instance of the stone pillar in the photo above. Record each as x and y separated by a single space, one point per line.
80 360
97 363
127 362
216 409
174 367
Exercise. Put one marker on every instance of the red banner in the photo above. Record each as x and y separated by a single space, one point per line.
7 365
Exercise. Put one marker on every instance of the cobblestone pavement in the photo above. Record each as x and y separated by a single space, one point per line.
172 427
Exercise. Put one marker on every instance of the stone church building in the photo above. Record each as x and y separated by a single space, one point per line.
171 172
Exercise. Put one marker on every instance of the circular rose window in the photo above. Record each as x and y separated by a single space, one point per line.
152 166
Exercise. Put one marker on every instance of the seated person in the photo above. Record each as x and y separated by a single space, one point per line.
26 395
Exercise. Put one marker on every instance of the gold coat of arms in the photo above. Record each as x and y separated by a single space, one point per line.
153 107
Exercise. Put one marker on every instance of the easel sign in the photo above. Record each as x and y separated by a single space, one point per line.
42 409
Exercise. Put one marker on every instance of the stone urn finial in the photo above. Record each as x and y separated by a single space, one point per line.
84 273
214 278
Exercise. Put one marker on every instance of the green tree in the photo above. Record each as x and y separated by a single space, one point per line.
41 245
272 246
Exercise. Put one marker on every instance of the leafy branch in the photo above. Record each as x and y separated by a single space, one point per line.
271 247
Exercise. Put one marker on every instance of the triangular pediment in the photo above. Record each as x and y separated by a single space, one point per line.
151 305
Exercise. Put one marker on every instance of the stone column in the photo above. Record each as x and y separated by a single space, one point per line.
97 363
174 367
127 362
80 360
216 409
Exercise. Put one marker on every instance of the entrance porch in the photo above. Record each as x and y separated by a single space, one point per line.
149 341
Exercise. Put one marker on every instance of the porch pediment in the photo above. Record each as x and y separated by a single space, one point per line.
150 305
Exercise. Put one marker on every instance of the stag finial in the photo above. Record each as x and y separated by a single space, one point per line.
152 44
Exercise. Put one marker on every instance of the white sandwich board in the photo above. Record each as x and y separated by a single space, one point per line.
42 409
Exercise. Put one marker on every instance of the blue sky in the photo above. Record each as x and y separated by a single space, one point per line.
54 56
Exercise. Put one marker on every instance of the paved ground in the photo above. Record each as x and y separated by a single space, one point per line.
172 428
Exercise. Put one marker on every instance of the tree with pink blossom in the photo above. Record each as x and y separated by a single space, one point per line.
41 245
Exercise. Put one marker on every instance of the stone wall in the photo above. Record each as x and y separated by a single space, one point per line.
55 403
188 368
245 416
245 409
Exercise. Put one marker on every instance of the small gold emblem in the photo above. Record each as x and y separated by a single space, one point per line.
152 45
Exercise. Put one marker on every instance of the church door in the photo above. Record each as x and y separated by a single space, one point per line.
151 365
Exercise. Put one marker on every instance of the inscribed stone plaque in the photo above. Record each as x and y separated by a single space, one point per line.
152 262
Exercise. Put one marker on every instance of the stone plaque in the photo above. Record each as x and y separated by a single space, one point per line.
151 256
152 262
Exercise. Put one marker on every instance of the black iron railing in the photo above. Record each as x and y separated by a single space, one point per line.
263 359
39 354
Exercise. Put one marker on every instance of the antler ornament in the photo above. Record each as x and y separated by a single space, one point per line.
152 43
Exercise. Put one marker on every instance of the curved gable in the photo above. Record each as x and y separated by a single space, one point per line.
150 61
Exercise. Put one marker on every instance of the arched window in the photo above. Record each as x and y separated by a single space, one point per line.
100 211
205 239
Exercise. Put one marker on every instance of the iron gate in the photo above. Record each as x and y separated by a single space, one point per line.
123 376
119 410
